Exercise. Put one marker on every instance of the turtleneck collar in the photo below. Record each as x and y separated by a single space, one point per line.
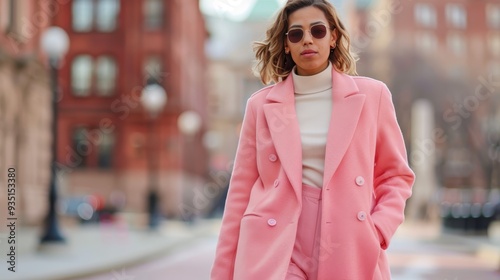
314 83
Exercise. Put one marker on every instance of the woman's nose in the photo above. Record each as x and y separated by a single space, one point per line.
308 37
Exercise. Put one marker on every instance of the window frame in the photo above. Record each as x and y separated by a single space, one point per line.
94 25
426 41
423 10
93 89
89 89
146 16
456 43
93 159
97 76
456 15
493 15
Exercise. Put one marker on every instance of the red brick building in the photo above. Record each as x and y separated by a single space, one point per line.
117 46
446 52
463 35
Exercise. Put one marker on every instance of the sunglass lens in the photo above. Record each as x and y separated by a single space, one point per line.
318 31
295 35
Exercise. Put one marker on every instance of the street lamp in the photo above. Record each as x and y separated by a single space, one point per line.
189 123
153 99
54 43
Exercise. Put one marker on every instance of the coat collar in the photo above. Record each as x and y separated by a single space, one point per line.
283 125
343 85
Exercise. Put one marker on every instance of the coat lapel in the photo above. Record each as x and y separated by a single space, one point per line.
283 126
347 106
284 129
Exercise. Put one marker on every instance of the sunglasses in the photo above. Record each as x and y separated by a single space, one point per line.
295 35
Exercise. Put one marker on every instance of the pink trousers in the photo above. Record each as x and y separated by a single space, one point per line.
305 255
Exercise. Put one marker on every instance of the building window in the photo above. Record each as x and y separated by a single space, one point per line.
81 148
105 151
153 68
456 16
106 72
7 12
101 15
87 154
153 14
107 15
11 22
425 15
493 15
82 15
85 71
81 75
426 42
457 44
4 16
494 44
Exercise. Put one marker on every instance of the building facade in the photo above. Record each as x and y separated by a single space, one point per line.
446 53
117 48
25 108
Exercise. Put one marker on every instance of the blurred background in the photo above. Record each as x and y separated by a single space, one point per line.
121 120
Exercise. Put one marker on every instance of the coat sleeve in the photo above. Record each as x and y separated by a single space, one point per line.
243 177
393 178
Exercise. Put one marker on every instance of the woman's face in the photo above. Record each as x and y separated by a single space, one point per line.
310 54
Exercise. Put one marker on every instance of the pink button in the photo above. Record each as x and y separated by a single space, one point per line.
276 183
361 215
271 222
273 157
360 181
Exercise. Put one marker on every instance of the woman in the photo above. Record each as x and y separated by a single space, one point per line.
321 177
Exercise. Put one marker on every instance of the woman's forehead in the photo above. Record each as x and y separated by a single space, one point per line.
292 25
306 17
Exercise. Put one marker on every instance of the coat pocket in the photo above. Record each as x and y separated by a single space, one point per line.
375 231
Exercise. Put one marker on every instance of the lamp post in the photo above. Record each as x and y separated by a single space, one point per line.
54 43
189 123
153 99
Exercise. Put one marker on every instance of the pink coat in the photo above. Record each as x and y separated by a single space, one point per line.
366 183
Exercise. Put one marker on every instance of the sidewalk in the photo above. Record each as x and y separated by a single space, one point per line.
94 249
487 248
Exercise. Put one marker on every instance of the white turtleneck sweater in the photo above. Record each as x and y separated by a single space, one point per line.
313 104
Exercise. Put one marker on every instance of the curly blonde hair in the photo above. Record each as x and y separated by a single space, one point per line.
273 64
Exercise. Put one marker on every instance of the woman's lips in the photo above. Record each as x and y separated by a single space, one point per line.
308 53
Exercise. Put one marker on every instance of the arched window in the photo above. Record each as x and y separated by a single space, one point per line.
81 75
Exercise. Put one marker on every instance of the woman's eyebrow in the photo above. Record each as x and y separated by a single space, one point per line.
314 23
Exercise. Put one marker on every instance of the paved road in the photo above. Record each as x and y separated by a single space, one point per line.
414 255
437 260
192 262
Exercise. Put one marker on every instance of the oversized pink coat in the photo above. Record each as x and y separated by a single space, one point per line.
366 184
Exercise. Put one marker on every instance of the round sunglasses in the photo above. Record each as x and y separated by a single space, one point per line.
295 35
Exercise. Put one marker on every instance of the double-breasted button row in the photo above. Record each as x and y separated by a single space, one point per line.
273 157
360 181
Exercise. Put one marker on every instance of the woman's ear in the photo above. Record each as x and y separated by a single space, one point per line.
333 37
